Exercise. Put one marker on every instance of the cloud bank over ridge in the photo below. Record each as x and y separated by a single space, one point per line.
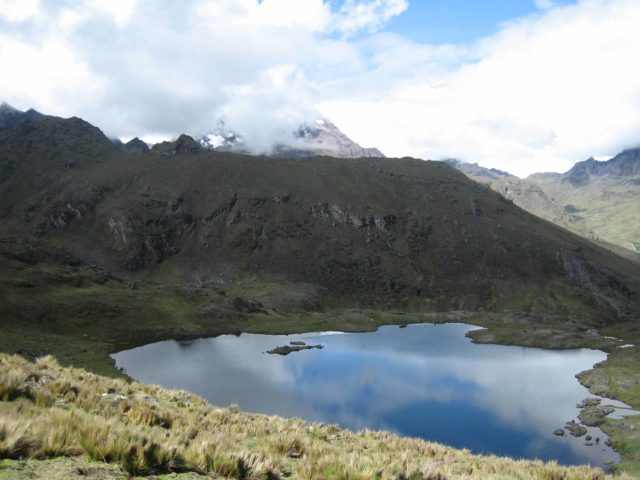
544 91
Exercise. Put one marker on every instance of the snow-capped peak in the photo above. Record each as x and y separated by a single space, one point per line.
220 139
317 137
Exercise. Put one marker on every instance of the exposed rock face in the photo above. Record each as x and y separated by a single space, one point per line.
247 306
321 137
332 214
602 286
601 196
381 232
77 204
625 164
592 416
473 170
133 146
575 429
589 402
148 240
183 145
324 138
10 117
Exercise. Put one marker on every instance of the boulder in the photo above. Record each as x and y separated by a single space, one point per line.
575 429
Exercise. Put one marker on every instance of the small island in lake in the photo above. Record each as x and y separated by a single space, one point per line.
295 346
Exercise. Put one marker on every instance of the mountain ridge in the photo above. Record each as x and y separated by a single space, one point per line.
594 199
624 164
10 116
386 231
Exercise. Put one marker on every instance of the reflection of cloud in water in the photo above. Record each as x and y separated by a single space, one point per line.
366 380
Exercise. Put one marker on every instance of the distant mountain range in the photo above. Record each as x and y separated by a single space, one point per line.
320 137
10 117
595 199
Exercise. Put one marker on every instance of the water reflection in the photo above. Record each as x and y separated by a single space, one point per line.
426 381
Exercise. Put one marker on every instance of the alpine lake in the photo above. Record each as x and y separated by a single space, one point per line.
423 380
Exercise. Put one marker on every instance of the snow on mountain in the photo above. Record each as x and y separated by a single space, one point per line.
222 139
320 137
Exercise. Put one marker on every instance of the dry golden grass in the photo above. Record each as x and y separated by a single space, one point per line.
49 411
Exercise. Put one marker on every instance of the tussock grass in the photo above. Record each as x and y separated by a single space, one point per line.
49 411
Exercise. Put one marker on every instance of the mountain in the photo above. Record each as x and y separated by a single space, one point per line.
475 171
222 140
524 193
10 116
386 233
321 137
135 145
603 196
624 166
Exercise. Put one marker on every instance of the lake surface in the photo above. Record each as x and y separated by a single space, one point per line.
425 381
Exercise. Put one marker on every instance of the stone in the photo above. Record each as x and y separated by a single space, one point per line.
559 432
591 416
575 429
589 402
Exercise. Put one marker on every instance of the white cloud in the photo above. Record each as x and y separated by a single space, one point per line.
120 11
545 91
41 75
19 10
313 15
157 69
357 15
544 4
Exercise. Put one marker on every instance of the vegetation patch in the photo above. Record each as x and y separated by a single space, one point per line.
293 347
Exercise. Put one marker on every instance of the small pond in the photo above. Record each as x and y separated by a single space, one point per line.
427 381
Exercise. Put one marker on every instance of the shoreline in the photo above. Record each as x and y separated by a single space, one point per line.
500 329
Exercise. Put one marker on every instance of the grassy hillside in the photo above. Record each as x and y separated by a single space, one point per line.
606 206
602 196
47 412
602 212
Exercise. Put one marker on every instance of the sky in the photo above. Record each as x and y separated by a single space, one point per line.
520 85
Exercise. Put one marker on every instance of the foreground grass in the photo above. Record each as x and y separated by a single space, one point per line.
48 411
